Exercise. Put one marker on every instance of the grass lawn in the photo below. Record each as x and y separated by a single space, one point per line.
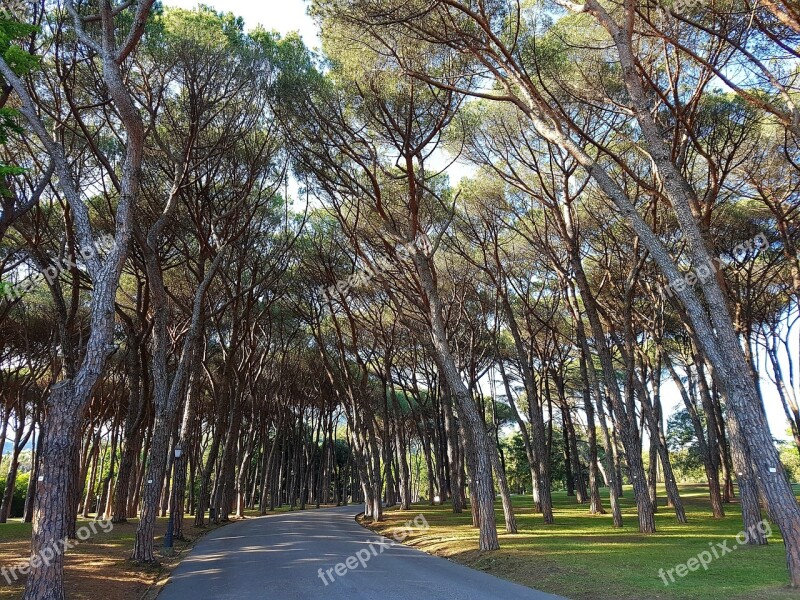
99 567
582 557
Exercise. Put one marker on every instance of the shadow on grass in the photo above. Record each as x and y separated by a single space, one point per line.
583 557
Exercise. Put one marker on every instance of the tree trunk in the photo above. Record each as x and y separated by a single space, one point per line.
50 519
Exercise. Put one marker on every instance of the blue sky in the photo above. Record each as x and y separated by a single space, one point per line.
283 16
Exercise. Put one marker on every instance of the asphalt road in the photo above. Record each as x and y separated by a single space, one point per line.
280 556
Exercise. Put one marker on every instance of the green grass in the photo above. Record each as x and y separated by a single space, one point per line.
584 557
15 529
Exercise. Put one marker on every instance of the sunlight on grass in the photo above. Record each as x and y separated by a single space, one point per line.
583 557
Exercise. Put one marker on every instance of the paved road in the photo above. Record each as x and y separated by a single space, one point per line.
279 557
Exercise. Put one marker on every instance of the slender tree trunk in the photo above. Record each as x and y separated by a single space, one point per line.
505 494
590 377
31 495
705 449
595 502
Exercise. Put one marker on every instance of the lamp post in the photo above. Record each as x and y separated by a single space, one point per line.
168 537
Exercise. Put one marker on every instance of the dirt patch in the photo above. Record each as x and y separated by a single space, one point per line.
100 567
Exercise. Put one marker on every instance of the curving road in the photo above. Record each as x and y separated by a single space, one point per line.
287 556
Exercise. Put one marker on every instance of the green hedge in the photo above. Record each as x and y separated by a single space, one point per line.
20 491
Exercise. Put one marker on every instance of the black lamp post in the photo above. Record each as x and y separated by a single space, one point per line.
168 537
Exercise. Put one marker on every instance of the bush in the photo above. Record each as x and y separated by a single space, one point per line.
20 492
687 466
791 461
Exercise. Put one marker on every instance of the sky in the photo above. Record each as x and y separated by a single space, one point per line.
285 16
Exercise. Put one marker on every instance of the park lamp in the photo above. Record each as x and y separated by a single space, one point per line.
168 537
